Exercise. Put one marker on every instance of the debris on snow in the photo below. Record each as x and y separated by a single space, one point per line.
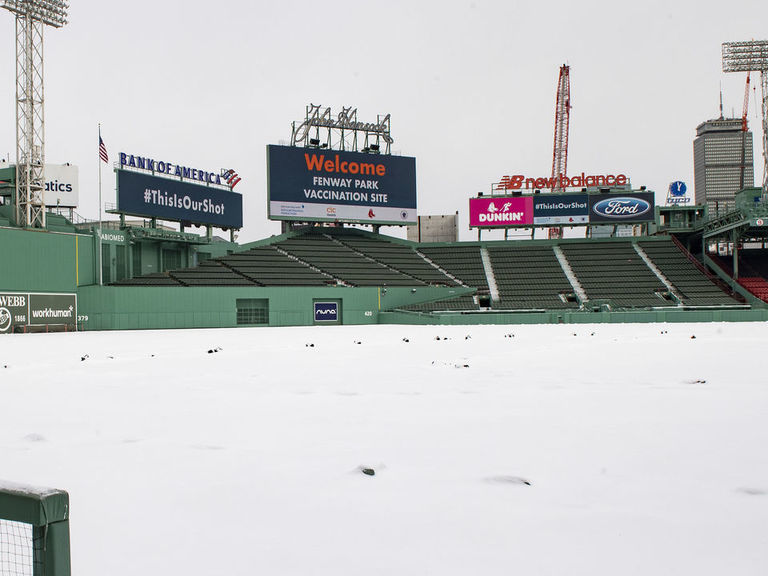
34 437
508 480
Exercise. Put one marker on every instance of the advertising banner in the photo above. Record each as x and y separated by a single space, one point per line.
61 186
560 209
500 211
678 193
621 208
146 195
326 311
18 310
316 184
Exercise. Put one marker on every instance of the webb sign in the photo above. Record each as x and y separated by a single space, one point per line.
25 309
145 195
312 184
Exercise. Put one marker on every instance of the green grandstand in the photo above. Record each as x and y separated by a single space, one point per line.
616 274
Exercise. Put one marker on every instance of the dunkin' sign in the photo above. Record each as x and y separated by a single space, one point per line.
501 211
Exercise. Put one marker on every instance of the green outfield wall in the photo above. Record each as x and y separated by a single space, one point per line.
161 307
575 317
44 261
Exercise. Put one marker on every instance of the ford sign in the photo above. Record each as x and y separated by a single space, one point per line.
621 208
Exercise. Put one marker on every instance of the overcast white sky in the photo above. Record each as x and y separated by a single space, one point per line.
470 86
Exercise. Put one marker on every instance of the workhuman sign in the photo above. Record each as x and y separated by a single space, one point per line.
318 184
19 311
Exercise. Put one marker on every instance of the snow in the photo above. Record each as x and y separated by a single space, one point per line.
594 450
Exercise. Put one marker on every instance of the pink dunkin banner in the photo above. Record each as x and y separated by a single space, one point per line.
501 211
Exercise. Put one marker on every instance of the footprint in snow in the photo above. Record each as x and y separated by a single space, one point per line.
34 437
753 491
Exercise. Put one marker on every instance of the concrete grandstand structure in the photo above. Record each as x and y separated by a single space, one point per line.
374 278
648 273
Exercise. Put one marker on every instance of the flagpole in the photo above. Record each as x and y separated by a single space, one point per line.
101 260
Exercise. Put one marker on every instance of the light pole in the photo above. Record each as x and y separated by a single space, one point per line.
752 56
31 16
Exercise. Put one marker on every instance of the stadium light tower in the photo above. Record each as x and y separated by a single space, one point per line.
31 16
752 56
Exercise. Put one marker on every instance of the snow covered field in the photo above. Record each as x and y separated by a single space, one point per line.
568 450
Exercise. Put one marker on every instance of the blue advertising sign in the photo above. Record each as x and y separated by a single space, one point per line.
677 188
316 184
678 193
146 195
560 209
622 207
326 311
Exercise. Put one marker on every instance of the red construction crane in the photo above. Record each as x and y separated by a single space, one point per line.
745 109
562 114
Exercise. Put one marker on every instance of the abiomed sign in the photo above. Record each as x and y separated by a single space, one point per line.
314 184
19 310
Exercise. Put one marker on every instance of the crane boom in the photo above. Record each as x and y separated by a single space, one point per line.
562 114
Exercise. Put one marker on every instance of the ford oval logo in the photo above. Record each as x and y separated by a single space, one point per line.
623 207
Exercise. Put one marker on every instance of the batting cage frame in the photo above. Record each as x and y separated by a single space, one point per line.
34 531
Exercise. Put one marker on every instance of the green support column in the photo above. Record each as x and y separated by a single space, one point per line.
735 240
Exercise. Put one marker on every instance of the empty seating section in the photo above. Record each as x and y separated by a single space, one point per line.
344 263
210 273
615 272
462 262
753 262
398 256
694 287
149 280
529 277
757 285
267 266
452 304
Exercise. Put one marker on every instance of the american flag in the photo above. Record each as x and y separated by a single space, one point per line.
103 151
